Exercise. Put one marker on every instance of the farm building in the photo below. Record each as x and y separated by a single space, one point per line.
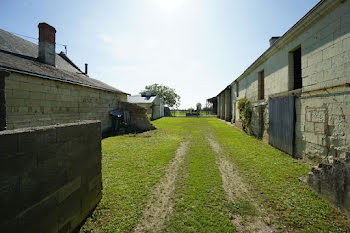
39 87
213 103
299 88
152 103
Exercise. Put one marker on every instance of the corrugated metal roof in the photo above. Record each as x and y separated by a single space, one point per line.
138 99
17 54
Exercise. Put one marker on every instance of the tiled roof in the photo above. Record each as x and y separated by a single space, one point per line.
19 55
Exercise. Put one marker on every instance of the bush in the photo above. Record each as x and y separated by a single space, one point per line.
245 113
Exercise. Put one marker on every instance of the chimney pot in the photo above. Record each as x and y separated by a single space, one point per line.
47 44
86 69
273 40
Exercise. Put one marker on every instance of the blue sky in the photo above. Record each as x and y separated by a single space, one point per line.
195 46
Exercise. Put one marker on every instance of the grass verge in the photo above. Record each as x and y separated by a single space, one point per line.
273 176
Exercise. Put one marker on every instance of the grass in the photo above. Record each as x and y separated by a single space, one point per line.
200 204
243 208
133 164
273 176
183 113
178 113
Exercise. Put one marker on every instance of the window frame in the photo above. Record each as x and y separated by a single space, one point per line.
261 85
292 68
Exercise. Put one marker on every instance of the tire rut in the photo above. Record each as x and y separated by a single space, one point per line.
236 191
160 205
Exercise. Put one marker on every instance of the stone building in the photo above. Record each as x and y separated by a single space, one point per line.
153 104
39 87
299 87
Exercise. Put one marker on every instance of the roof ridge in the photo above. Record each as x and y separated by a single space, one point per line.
67 59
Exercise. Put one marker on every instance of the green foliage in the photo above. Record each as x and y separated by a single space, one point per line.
167 94
245 112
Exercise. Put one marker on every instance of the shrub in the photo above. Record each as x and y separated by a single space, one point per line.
245 113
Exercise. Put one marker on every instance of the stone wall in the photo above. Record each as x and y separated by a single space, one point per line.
228 105
138 117
221 104
323 128
50 177
146 106
332 181
33 101
224 106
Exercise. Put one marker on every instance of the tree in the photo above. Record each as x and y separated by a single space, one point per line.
199 107
167 94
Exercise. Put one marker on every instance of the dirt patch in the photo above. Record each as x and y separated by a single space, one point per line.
160 204
246 214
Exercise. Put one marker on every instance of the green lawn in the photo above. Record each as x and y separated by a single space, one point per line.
178 113
183 113
133 164
200 204
274 179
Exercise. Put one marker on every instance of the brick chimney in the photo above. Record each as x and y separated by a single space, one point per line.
273 40
47 44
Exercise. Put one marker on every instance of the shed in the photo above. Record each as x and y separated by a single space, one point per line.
153 104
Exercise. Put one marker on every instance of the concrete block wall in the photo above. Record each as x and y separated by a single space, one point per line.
326 51
50 177
32 101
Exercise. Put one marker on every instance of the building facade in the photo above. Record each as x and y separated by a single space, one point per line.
299 87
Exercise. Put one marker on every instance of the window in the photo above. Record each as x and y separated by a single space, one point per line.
261 85
295 65
237 89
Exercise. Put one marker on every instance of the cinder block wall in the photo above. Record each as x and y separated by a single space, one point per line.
50 177
323 109
32 101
